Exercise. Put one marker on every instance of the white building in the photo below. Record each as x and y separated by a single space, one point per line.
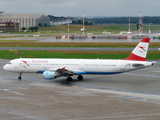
26 19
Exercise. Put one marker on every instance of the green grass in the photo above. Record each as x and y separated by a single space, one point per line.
12 41
34 43
5 54
116 28
95 29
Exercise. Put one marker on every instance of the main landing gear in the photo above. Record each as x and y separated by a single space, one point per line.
69 79
80 77
19 77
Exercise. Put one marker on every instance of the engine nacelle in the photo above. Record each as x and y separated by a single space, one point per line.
49 75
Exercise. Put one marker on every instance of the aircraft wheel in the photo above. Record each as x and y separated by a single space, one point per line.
69 79
80 77
19 77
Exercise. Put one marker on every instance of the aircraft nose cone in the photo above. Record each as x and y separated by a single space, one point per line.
5 67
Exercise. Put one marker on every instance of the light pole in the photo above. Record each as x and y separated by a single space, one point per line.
149 28
83 29
68 28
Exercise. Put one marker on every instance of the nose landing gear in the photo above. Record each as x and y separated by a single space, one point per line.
19 77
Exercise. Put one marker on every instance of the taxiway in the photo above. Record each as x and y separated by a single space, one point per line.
130 96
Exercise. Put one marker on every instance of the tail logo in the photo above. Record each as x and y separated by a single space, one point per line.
143 48
25 62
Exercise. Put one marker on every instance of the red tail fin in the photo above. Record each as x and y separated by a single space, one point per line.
140 51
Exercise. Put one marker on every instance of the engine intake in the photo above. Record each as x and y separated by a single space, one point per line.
49 75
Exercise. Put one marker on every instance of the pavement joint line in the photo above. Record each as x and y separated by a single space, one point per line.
141 75
122 116
139 95
22 114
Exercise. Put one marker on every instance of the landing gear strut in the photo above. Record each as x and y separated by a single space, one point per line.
19 77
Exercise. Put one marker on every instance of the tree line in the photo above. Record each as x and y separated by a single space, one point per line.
105 20
81 22
74 20
56 18
125 20
33 29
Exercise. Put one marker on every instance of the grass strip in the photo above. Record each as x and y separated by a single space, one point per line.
32 43
5 54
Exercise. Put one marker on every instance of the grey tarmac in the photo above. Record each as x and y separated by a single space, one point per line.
73 48
130 96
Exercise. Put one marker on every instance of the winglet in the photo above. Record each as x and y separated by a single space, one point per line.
140 51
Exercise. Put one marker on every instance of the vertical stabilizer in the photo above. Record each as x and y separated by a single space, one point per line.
140 51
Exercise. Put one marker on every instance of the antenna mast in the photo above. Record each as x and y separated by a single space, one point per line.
140 24
83 29
68 28
129 26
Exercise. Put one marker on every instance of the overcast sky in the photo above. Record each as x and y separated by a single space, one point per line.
91 7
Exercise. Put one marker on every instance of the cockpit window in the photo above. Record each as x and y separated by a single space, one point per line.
9 63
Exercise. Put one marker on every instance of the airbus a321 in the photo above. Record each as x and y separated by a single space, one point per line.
54 68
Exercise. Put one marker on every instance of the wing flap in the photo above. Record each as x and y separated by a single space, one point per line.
66 71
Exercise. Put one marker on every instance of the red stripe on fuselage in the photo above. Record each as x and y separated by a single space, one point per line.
135 57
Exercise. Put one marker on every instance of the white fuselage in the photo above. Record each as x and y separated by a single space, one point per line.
79 66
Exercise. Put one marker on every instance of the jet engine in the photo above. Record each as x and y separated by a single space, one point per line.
50 75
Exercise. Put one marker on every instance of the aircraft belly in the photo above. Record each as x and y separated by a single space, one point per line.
103 73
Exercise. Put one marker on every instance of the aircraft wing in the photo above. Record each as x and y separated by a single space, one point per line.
66 71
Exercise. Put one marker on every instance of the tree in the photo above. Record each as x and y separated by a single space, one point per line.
74 22
31 29
23 28
35 28
81 22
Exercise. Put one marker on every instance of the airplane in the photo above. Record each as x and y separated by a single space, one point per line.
54 68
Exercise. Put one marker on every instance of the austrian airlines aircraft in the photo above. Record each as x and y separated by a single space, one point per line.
53 68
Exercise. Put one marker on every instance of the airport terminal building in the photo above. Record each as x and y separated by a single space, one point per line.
26 19
9 27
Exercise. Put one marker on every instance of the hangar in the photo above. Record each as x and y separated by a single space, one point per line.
26 19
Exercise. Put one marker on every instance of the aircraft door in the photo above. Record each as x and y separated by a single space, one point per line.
45 66
122 65
81 66
16 65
